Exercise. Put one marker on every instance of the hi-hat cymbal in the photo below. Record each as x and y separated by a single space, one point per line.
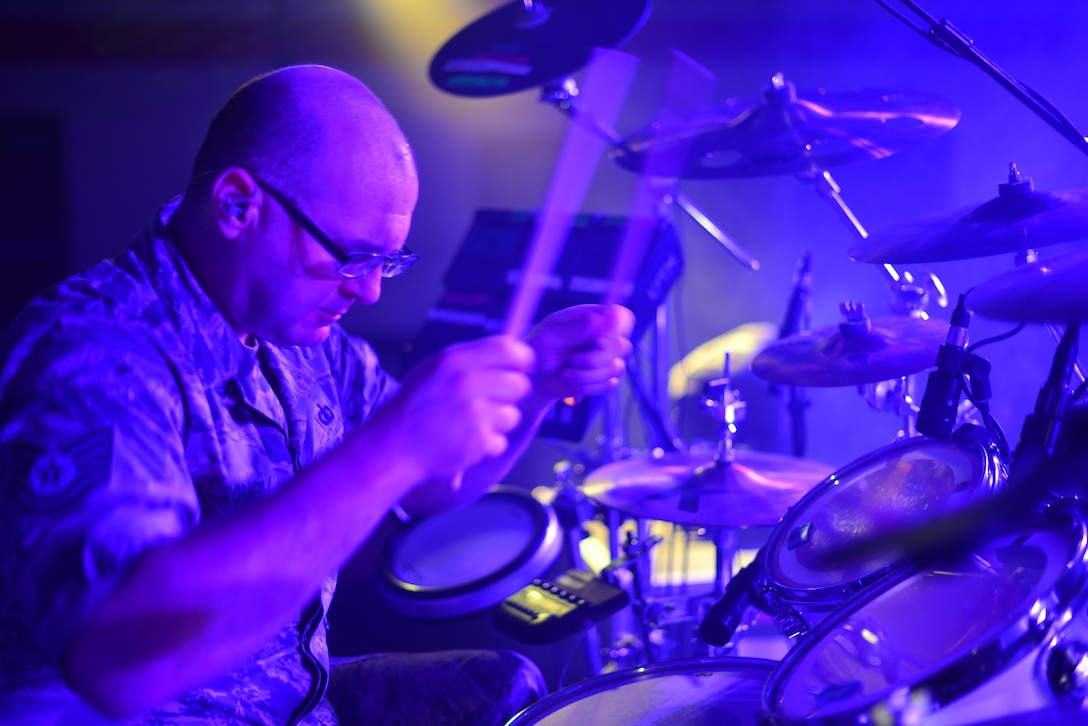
789 131
706 362
526 44
754 490
844 356
1051 290
1018 219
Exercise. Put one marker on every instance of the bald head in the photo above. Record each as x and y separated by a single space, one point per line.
297 122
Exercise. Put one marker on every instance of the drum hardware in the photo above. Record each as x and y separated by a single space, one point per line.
1045 291
1011 594
907 481
754 489
1017 220
1048 290
789 132
690 691
574 510
910 298
465 560
1020 217
940 405
798 317
1051 450
689 375
529 43
948 37
859 350
545 611
659 179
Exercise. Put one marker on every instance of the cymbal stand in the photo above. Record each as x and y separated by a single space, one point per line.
726 405
1016 182
562 95
909 297
1056 331
573 511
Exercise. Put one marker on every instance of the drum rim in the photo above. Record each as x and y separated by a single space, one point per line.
992 473
551 703
545 523
945 683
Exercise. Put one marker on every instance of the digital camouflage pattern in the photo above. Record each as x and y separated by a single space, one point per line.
130 412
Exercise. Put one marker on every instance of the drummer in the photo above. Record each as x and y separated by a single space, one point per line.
192 444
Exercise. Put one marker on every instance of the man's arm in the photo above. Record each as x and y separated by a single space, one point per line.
193 608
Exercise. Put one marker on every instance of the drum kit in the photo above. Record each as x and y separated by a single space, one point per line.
904 582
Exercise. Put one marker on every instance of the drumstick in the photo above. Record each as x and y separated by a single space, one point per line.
608 77
688 88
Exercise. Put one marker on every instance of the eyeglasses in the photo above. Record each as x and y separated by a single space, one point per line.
352 264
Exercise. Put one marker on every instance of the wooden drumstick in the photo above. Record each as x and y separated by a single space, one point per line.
608 77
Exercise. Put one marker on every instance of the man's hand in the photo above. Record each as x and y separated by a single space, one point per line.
580 350
455 408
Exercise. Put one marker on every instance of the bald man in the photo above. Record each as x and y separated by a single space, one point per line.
192 445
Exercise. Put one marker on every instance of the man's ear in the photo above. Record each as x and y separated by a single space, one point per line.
233 193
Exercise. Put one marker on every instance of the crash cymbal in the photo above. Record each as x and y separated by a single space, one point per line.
526 44
1051 290
754 490
851 354
1019 218
706 362
789 131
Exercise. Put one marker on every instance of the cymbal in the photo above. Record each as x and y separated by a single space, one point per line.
754 490
1018 219
893 347
706 362
1050 290
523 44
788 132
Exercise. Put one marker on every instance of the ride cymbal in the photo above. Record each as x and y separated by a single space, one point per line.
754 490
526 44
852 354
1018 219
789 131
1051 290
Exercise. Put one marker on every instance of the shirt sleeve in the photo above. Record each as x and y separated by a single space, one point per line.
92 470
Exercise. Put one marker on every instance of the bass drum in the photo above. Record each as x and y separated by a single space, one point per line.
675 693
919 640
901 485
465 560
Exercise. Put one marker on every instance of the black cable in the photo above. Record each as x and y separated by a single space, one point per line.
996 339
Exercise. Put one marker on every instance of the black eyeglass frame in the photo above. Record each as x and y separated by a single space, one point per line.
352 264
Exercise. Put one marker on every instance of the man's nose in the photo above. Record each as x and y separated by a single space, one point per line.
365 289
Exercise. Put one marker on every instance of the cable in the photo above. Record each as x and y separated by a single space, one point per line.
996 339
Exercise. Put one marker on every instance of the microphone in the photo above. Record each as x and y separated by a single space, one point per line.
797 311
941 400
1042 427
725 616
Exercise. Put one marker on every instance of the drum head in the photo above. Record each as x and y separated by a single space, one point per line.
470 558
721 691
904 484
943 630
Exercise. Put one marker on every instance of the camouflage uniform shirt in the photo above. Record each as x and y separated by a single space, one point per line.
130 412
